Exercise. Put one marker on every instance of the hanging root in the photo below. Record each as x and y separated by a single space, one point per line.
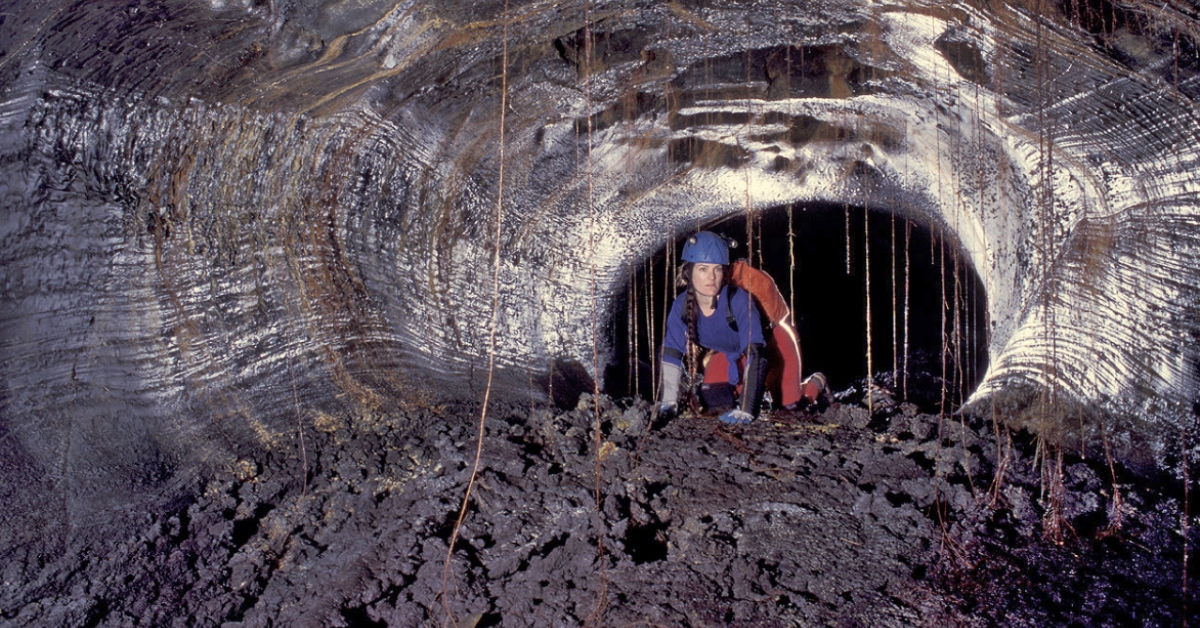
953 552
1004 449
300 431
1116 509
1054 523
491 369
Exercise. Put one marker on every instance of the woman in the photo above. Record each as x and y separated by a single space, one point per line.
717 327
716 319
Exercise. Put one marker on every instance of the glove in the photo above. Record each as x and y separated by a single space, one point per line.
755 377
737 417
670 385
667 411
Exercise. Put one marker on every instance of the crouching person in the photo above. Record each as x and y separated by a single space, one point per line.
716 329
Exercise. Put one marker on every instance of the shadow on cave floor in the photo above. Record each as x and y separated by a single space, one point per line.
836 518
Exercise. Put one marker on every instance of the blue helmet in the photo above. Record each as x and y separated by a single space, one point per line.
706 247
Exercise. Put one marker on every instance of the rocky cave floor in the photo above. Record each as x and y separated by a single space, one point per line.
831 518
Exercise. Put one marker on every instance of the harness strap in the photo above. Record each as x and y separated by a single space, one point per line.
729 309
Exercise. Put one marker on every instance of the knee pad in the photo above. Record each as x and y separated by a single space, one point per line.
718 396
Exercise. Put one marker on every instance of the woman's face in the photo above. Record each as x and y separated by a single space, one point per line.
708 279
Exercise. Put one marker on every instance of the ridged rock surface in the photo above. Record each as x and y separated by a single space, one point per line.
225 220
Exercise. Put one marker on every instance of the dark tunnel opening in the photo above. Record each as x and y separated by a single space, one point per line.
928 307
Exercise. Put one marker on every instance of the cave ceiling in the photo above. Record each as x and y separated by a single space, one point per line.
216 211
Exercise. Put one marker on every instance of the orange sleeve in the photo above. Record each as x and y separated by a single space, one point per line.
762 287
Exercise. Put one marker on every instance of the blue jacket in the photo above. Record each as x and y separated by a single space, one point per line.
714 331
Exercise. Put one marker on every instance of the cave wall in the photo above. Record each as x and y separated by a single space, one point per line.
225 220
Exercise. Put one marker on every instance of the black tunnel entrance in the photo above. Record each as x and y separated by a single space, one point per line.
928 307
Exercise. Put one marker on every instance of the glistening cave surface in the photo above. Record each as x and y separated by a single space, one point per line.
226 221
208 202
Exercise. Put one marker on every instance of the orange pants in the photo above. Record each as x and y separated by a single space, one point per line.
783 366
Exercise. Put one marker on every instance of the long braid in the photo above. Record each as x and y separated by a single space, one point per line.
691 313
